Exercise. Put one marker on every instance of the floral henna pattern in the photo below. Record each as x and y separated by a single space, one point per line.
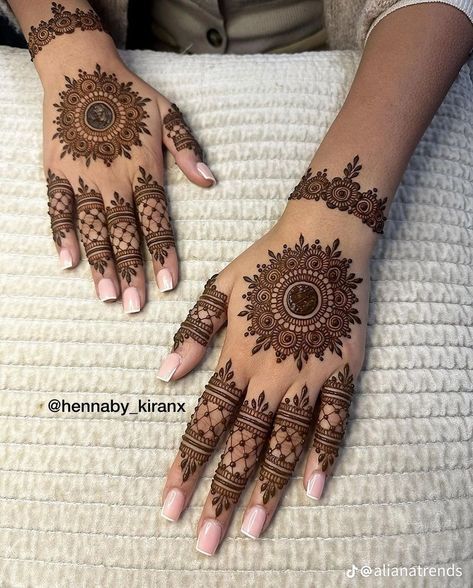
99 117
242 452
93 227
211 417
124 237
154 218
344 194
199 324
62 22
301 303
179 132
290 429
60 206
335 400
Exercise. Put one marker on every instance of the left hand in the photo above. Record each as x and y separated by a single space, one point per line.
296 297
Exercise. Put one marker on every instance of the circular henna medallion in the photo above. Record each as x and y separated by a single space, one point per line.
99 117
302 301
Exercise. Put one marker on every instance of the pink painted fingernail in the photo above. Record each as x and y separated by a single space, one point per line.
173 505
204 171
168 366
164 279
209 537
106 289
315 485
131 300
253 522
65 258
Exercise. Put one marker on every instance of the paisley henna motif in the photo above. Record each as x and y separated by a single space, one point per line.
179 132
290 429
302 302
344 194
63 22
241 454
93 227
335 399
153 214
99 117
60 206
211 417
124 237
199 324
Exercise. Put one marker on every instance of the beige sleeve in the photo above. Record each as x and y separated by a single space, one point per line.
375 10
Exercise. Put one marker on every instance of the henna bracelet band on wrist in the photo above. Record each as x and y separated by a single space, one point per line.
61 23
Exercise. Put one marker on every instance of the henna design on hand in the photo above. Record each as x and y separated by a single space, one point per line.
199 323
180 133
124 237
152 210
344 194
211 417
93 227
290 429
60 206
302 302
335 399
241 454
99 117
62 22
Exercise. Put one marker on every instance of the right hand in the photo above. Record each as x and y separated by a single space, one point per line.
103 134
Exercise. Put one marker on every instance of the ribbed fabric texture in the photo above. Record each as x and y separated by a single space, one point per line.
80 494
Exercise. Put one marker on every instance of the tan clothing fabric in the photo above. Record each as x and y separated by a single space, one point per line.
346 22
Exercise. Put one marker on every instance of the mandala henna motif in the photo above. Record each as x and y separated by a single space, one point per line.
335 400
60 206
290 429
93 227
301 303
154 218
62 22
124 237
99 117
199 323
179 132
344 194
242 451
211 417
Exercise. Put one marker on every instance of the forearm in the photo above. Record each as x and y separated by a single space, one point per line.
87 39
409 62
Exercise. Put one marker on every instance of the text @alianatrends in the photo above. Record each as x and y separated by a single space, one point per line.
139 406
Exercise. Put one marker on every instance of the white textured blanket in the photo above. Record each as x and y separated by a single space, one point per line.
79 494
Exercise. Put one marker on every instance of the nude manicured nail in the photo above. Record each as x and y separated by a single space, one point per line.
209 538
168 366
65 258
106 289
315 485
253 522
173 505
131 300
164 279
205 172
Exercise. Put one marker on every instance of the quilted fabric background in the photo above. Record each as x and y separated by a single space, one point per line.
79 494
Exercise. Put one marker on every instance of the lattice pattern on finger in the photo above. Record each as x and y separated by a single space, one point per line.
335 400
211 417
152 210
60 206
179 132
92 223
242 452
199 323
124 236
290 429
